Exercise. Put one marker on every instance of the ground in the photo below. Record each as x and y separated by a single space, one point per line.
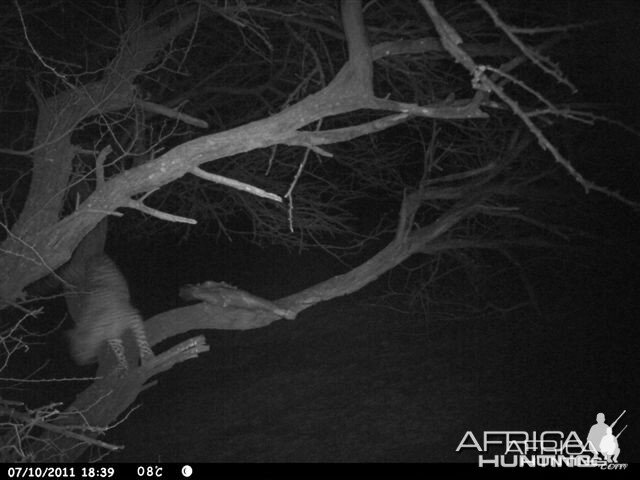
353 380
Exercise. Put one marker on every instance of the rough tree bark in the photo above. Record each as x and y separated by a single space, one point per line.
40 242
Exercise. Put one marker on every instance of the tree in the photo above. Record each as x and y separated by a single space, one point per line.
315 95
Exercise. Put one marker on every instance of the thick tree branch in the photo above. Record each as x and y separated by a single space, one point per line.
349 91
407 242
58 117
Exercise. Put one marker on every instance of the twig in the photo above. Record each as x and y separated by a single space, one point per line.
137 205
230 182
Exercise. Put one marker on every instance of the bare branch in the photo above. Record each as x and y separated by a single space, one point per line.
137 205
230 182
482 82
542 62
172 113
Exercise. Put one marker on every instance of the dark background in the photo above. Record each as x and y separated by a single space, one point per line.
355 379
